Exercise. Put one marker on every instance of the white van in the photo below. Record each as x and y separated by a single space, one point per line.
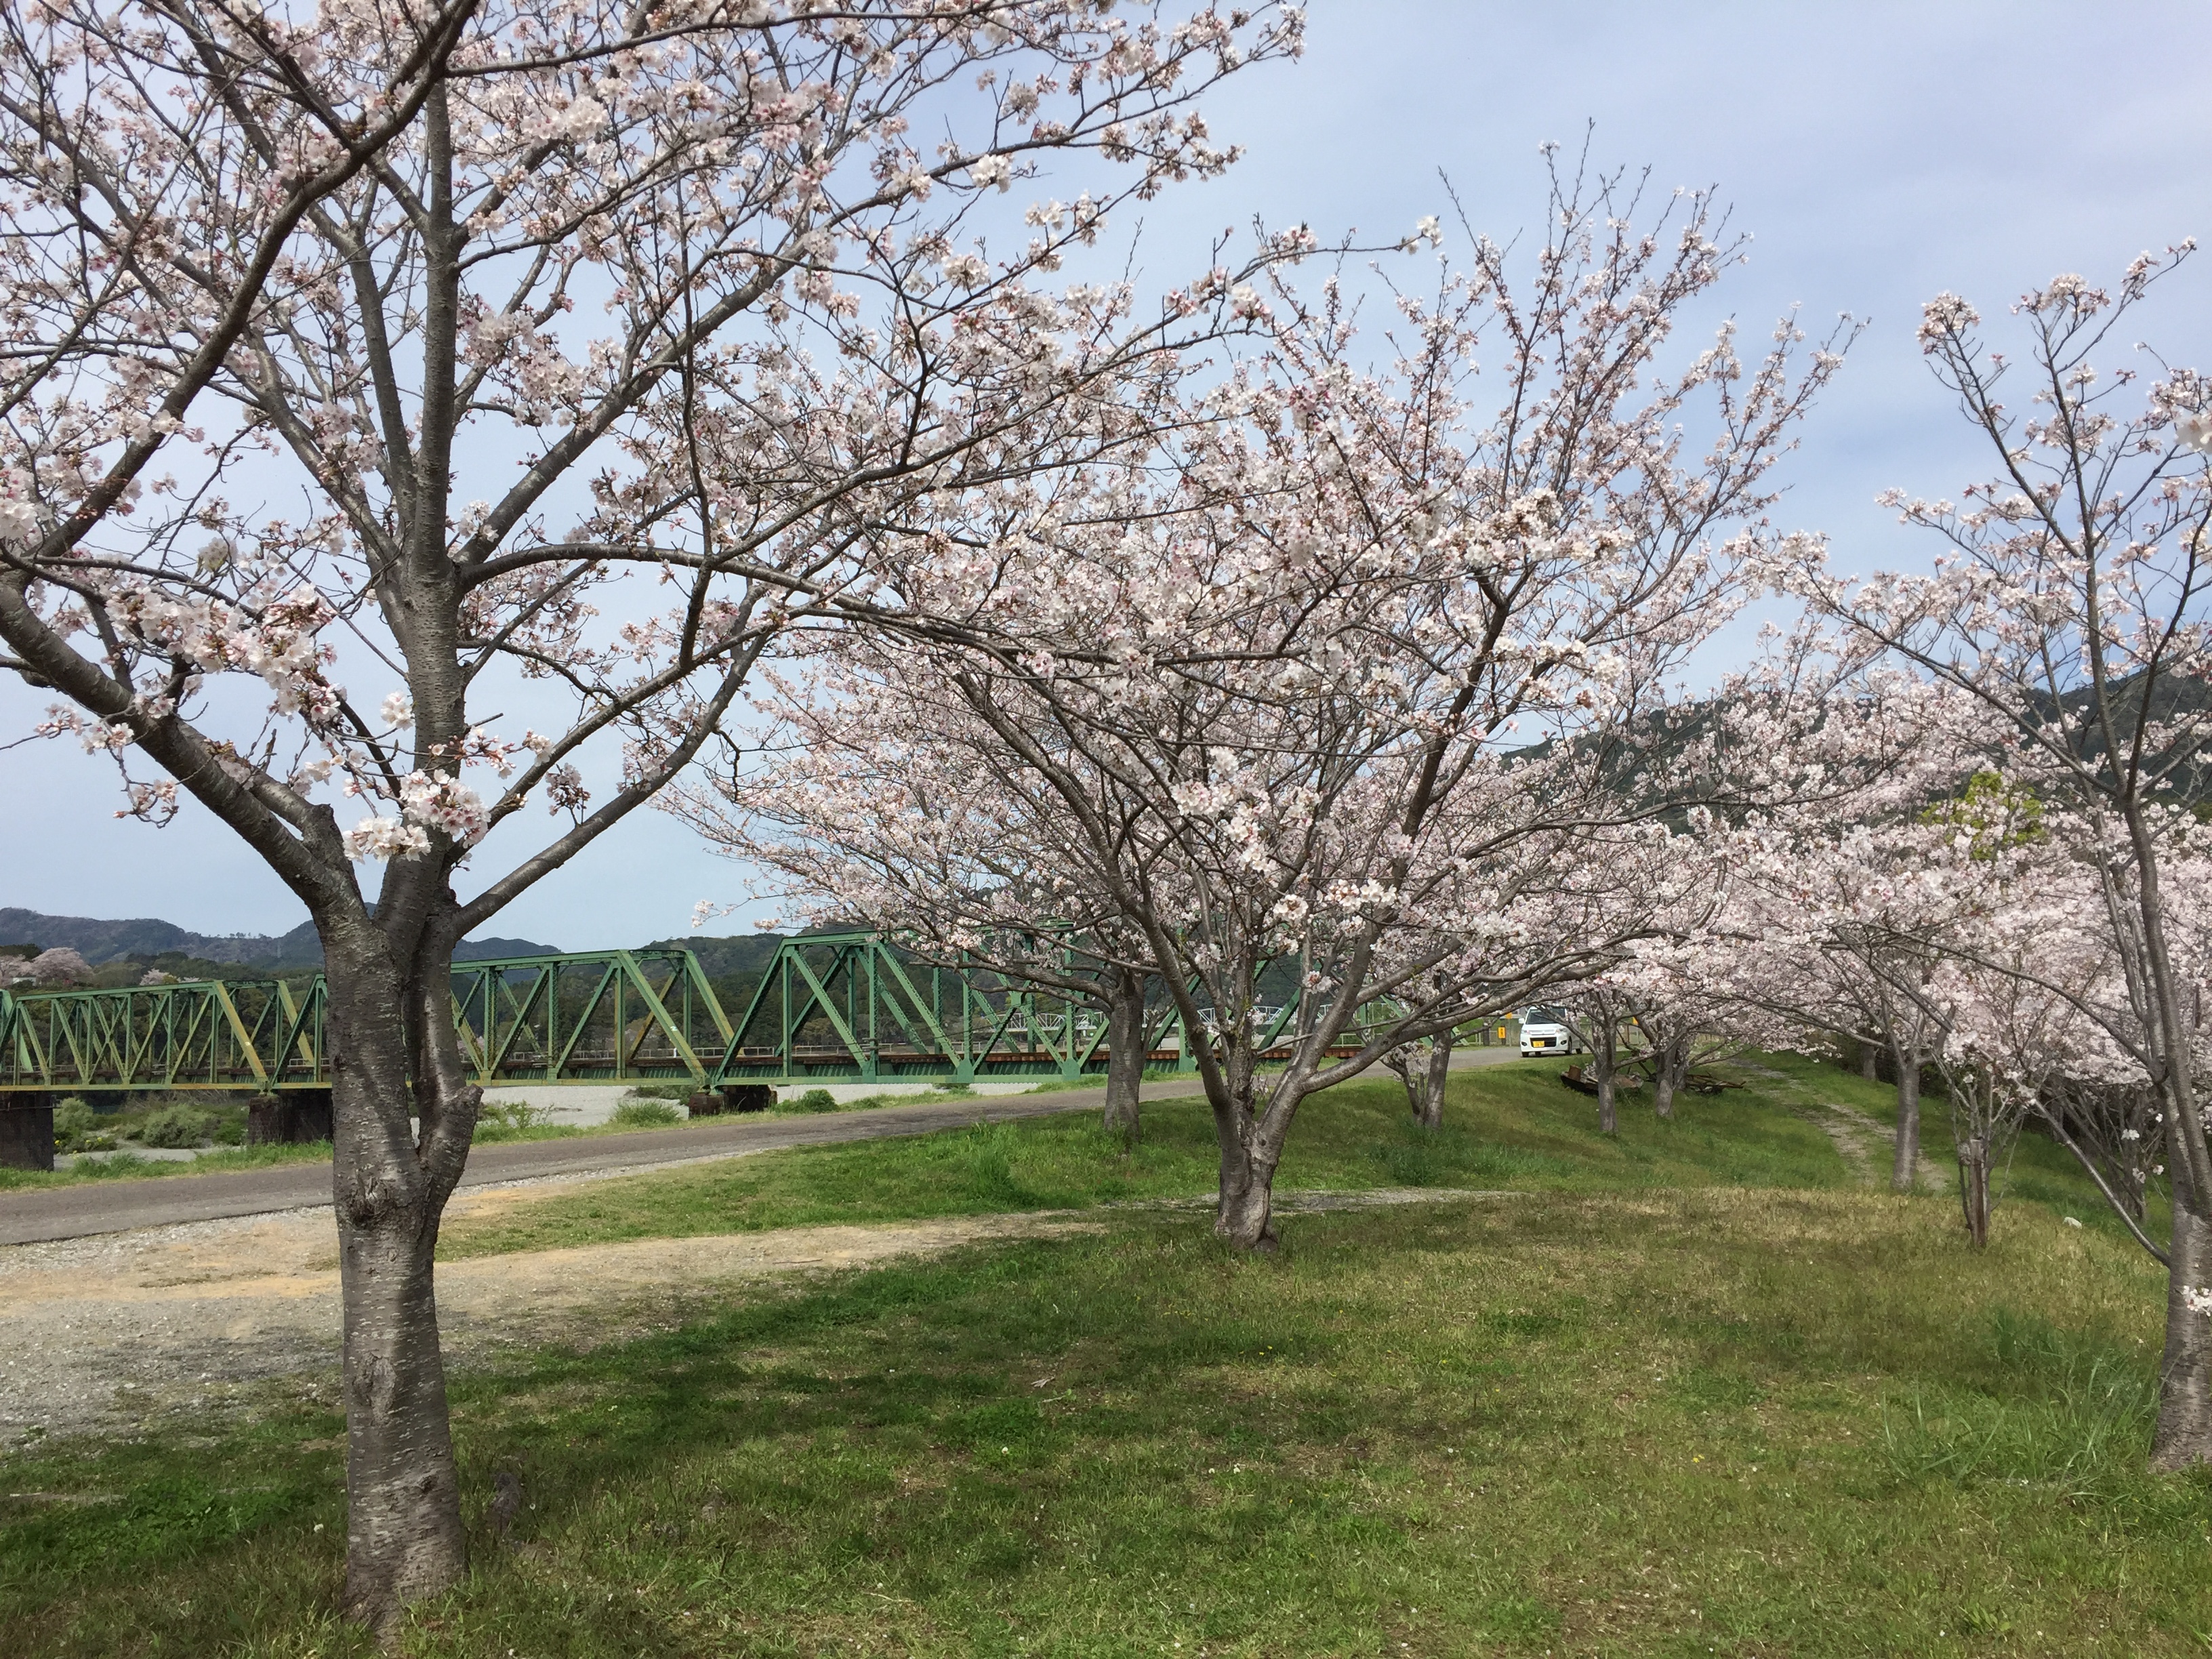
1545 1031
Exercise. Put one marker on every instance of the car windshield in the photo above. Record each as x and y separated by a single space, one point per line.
1544 1017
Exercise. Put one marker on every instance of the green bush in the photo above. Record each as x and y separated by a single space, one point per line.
74 1123
503 1119
177 1126
816 1100
646 1114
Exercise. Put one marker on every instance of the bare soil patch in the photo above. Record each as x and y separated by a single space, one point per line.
111 1333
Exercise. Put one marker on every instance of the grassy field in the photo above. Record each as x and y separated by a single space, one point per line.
1511 1126
1691 1392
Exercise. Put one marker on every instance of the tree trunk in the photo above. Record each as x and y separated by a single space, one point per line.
1599 1071
1431 1115
2183 1438
1974 1188
1244 1211
404 1538
1904 1168
1245 1216
1125 1058
1670 1067
1870 1061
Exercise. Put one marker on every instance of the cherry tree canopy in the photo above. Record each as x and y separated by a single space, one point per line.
1362 669
355 354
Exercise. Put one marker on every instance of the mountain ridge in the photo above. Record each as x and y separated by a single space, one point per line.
101 941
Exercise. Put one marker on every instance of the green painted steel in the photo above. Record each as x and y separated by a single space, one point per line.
853 1007
214 1034
595 1017
830 1007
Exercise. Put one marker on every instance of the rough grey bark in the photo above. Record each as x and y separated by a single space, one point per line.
393 1055
1670 1069
1974 1154
1600 1030
1125 1057
1244 1215
1905 1165
1423 1073
1431 1112
2182 1436
1869 1061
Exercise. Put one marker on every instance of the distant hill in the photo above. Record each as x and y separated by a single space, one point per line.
145 938
732 953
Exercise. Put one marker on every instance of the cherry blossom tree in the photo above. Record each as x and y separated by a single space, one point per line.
1827 907
1678 990
385 343
2068 603
1423 1068
914 822
1878 937
1597 1013
1358 672
58 967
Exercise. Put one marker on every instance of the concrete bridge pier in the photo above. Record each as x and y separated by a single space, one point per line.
27 1131
296 1115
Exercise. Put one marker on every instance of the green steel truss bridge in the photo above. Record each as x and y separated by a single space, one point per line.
830 1008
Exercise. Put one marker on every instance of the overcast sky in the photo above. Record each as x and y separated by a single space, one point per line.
1878 153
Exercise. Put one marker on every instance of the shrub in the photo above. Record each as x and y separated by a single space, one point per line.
645 1114
503 1120
74 1123
177 1126
816 1100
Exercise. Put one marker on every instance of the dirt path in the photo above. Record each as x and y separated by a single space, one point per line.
108 1333
1868 1145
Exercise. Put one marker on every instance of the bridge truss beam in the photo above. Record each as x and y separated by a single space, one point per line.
830 1007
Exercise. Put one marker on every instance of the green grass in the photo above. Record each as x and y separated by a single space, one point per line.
656 1107
1511 1126
1687 1392
1702 1420
128 1165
